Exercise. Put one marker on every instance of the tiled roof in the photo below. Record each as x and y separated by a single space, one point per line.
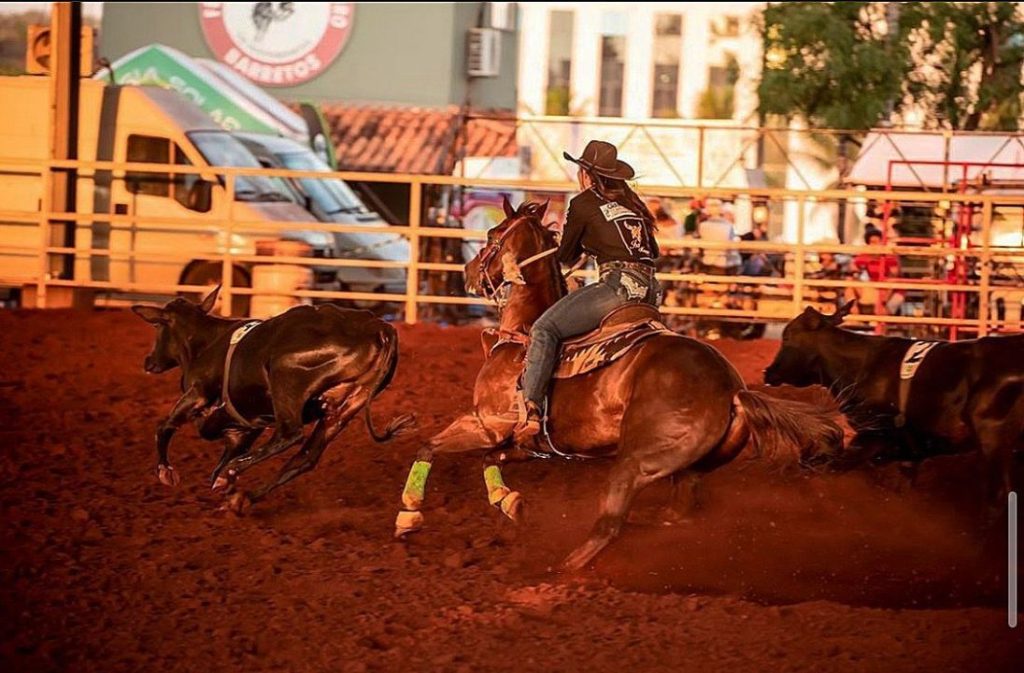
412 139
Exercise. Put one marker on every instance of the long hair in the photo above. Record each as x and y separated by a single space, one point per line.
612 189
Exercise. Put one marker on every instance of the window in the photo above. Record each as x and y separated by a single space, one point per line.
222 149
179 186
333 196
726 26
716 102
149 150
559 91
184 183
613 65
668 43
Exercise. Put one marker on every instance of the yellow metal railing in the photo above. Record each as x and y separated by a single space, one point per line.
796 285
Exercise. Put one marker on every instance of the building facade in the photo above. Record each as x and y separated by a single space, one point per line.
404 53
641 60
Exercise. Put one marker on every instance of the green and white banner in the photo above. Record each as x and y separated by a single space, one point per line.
168 68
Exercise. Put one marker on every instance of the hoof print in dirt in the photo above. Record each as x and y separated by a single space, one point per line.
239 504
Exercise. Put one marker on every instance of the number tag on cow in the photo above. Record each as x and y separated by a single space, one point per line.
240 333
914 357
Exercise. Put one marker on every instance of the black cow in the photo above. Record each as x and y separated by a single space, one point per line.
964 396
310 364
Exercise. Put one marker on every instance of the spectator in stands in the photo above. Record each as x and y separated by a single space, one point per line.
875 267
666 226
674 258
756 263
833 266
717 228
729 212
693 218
873 217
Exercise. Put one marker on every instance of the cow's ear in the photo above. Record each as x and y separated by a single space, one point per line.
841 312
209 300
150 314
812 318
506 205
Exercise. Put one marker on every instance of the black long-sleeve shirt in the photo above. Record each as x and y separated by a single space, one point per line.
606 230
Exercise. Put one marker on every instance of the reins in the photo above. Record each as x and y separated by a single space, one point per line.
498 292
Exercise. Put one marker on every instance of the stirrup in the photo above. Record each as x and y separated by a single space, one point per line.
531 420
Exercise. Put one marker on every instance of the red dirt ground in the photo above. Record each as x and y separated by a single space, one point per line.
104 569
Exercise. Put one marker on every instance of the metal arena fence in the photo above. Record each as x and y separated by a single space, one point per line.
988 279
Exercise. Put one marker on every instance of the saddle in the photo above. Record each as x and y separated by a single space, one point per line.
618 333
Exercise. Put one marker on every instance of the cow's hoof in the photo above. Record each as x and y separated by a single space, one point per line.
167 475
407 522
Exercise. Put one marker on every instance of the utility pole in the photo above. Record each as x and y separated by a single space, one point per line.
65 69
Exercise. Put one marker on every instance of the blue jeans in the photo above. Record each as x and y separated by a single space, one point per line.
573 314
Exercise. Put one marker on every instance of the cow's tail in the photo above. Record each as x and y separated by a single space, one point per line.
386 365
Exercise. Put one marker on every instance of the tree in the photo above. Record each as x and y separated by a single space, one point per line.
849 64
13 34
968 62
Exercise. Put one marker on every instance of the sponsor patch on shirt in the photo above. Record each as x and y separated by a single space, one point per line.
613 211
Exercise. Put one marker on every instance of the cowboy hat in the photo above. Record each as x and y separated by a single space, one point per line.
603 159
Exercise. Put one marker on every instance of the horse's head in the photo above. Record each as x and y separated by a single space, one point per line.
517 242
798 361
174 324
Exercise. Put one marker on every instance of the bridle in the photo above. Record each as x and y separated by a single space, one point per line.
512 274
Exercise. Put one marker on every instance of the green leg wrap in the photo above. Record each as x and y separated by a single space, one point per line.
496 489
416 485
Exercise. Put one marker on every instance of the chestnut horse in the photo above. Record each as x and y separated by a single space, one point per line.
670 406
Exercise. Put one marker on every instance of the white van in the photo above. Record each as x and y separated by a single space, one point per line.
151 125
332 200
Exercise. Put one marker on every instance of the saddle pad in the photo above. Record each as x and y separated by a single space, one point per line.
585 355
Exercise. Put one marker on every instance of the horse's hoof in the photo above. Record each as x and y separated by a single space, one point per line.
575 561
167 475
225 484
512 505
407 522
239 504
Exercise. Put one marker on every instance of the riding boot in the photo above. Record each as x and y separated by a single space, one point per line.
528 428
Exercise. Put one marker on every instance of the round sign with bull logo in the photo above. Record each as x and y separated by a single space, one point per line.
277 43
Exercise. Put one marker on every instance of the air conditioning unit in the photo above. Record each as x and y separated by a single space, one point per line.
484 52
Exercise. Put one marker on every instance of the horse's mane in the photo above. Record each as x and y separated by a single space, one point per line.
533 211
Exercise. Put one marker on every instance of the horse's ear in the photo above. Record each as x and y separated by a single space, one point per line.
150 314
209 300
541 209
506 205
841 312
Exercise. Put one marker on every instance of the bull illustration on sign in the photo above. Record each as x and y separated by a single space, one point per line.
266 13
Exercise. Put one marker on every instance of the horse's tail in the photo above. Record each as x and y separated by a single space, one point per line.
387 364
781 430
